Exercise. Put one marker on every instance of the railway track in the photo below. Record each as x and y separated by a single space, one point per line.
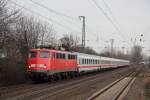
34 89
40 86
53 91
47 91
116 90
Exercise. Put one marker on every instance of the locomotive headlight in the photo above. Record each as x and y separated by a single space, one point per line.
42 65
32 65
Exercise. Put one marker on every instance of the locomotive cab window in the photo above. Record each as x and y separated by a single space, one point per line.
44 54
32 54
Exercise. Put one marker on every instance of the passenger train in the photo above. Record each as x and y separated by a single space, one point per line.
45 63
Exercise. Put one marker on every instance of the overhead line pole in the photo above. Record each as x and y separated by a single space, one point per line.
112 46
83 30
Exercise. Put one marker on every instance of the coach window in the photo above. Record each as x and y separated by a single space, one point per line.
82 61
86 61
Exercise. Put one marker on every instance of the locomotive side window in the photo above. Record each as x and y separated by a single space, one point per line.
64 56
32 54
60 56
57 55
44 54
71 56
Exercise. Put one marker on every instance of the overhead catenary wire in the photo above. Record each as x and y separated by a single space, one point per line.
47 18
110 11
52 10
109 19
112 15
105 14
62 15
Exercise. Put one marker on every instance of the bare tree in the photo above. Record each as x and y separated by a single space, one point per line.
8 46
31 33
69 41
116 54
136 54
7 19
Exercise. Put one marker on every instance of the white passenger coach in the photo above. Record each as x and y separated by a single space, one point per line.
88 62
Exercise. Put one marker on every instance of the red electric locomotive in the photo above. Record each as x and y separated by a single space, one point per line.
45 63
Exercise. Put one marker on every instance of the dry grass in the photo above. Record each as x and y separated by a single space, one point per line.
146 80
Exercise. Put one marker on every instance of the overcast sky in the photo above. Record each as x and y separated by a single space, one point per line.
132 17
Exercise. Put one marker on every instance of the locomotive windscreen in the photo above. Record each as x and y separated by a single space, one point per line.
32 54
44 54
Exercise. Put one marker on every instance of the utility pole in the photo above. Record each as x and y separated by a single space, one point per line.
83 30
112 46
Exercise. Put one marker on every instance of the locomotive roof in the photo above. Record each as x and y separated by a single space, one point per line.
51 50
